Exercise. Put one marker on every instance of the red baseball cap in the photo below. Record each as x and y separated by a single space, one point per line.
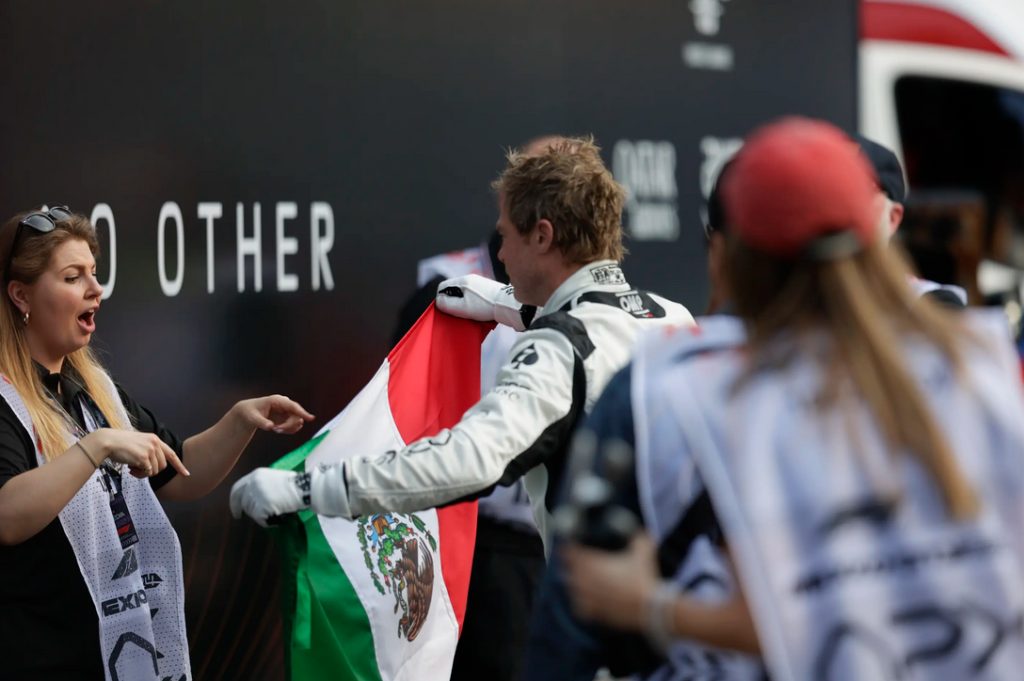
795 181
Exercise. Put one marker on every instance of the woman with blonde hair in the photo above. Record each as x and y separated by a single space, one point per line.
862 449
90 567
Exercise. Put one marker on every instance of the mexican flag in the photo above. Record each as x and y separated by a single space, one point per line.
382 598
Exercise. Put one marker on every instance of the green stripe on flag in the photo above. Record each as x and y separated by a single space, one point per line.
294 461
326 629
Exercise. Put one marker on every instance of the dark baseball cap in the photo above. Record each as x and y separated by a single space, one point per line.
716 221
799 183
888 170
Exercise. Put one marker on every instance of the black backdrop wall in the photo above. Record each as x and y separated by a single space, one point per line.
380 122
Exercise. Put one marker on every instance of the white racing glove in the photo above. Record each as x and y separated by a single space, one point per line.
483 300
266 493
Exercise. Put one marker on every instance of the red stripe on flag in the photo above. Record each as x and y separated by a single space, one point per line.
434 377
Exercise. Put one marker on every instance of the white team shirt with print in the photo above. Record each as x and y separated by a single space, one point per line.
850 564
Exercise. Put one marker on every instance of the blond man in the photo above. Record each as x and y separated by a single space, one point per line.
561 230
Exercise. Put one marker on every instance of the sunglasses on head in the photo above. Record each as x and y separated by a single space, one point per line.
40 222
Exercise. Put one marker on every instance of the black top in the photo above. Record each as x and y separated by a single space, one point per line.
48 623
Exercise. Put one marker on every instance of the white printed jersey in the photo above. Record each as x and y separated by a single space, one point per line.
846 553
510 505
555 373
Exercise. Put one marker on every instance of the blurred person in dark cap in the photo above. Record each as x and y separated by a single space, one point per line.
892 190
887 201
714 226
857 523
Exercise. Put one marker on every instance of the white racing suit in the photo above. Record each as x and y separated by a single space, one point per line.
555 372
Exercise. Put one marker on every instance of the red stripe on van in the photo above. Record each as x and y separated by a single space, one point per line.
919 24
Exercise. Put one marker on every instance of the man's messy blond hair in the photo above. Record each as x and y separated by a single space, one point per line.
567 184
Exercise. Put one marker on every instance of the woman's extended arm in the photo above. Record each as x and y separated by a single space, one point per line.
617 589
213 453
30 501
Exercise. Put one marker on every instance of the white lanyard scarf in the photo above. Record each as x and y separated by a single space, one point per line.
132 566
842 588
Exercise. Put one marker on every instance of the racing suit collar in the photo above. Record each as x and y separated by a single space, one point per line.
602 275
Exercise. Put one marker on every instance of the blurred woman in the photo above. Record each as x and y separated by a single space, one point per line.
863 451
90 568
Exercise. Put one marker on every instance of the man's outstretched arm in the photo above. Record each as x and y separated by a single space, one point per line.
519 424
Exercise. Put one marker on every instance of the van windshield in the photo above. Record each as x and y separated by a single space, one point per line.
963 146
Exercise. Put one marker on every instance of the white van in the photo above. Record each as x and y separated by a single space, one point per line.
942 83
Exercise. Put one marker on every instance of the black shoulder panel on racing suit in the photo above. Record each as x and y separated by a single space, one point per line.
570 327
637 303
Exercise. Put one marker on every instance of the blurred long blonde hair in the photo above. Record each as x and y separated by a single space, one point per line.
865 305
35 251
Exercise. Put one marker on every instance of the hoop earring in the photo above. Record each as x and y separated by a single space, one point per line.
26 319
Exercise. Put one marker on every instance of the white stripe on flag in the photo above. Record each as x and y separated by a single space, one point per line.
366 428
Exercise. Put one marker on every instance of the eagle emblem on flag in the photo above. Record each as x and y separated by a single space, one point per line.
404 548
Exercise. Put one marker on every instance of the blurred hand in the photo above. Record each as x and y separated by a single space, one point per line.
144 453
275 412
613 588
